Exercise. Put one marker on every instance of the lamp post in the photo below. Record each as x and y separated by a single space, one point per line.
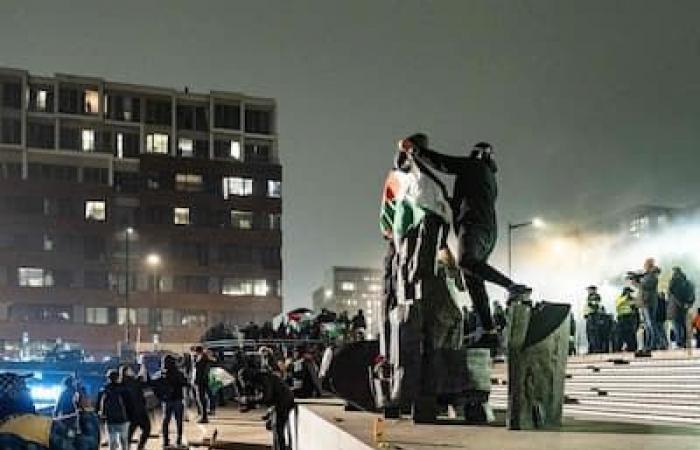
129 231
536 222
153 261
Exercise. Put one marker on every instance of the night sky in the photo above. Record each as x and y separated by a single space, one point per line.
592 106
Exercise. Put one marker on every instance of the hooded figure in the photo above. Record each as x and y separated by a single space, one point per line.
21 428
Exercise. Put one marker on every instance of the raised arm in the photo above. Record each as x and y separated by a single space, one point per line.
438 161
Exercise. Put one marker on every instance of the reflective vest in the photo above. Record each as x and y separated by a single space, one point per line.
623 305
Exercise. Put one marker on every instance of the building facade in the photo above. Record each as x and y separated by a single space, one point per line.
352 289
134 210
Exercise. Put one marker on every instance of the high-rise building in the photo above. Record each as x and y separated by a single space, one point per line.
128 204
352 289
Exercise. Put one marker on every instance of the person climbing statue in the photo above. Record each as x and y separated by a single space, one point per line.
474 220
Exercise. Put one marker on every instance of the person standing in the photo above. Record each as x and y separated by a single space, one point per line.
113 406
170 389
627 320
474 220
67 404
138 415
591 314
201 382
681 296
647 285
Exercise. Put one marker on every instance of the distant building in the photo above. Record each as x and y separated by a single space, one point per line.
96 175
639 221
351 289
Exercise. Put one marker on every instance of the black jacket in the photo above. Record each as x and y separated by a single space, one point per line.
475 190
201 370
170 385
274 391
137 399
113 404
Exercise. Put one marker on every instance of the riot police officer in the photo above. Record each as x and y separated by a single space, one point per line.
627 320
590 314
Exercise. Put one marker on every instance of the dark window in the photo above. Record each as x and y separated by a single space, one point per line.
185 117
69 138
94 248
127 182
258 121
203 254
201 121
201 148
40 135
258 151
52 172
158 112
62 278
227 116
11 171
270 257
95 279
124 108
95 175
191 283
68 100
11 131
12 95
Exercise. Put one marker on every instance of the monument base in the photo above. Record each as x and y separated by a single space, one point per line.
324 426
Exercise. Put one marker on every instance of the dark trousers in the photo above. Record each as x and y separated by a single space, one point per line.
475 246
280 417
143 423
593 335
172 409
627 331
212 400
202 392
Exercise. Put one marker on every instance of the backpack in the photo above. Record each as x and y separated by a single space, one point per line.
112 407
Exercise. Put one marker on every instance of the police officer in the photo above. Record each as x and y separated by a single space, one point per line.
627 320
591 313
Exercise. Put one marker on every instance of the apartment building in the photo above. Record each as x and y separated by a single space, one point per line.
131 211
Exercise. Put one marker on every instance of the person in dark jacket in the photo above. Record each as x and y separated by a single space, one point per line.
681 296
274 393
138 415
67 404
201 382
169 389
113 406
647 286
474 220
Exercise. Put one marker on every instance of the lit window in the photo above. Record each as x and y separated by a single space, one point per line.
121 316
237 186
235 286
188 182
88 140
48 243
260 288
235 150
275 221
274 188
97 316
95 210
41 96
375 287
347 286
186 147
242 219
92 102
120 145
157 143
34 277
181 216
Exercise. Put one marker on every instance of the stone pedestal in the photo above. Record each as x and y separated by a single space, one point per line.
538 341
476 407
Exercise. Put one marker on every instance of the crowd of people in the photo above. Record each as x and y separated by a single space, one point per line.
646 318
301 325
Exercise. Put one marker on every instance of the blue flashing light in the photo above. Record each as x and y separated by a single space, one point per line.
45 393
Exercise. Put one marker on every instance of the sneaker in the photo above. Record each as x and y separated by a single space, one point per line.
203 421
518 292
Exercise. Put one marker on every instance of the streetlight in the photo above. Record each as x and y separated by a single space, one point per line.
153 261
536 222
